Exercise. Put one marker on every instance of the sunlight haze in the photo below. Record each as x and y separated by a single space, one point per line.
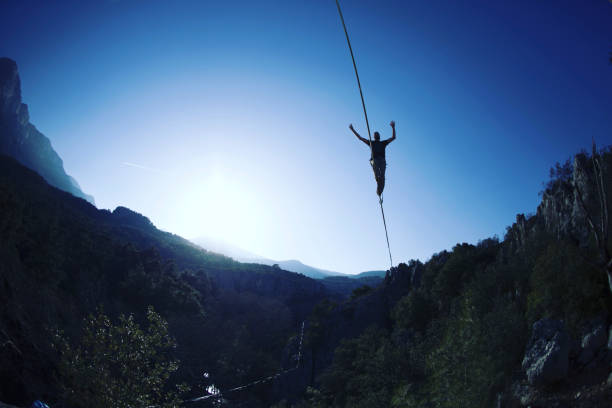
230 120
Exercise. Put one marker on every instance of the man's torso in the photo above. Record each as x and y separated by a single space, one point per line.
378 148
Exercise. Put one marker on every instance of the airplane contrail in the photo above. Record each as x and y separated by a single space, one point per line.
141 167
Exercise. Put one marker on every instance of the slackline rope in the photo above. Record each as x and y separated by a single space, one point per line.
365 113
382 211
219 393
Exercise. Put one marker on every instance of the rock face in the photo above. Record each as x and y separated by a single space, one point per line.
547 357
22 141
401 279
593 341
561 210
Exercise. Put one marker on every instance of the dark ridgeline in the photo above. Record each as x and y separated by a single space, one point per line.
21 140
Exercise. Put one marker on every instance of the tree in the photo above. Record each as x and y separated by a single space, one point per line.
120 365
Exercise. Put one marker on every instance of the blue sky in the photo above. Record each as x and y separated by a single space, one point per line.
230 119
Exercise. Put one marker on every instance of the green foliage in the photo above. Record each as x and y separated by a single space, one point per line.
461 266
364 372
361 291
468 366
414 310
462 350
560 174
454 341
247 335
119 365
317 330
566 285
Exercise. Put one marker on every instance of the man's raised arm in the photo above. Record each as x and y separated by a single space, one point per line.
392 127
357 134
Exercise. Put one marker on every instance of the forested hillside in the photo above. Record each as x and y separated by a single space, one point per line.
63 259
514 322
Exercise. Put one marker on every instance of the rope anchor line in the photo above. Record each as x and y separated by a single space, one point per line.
365 113
219 393
382 211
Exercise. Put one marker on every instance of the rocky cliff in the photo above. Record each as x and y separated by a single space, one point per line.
22 141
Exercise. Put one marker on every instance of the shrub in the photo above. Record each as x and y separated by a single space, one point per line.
565 285
120 365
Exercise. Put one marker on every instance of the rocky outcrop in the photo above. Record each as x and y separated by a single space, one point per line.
22 141
547 357
518 234
593 341
561 213
562 210
401 279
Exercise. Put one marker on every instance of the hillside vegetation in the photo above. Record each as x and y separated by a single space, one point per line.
62 259
453 332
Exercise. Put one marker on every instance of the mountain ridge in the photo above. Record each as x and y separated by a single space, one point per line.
23 141
292 265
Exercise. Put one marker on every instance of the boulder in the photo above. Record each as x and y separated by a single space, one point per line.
547 356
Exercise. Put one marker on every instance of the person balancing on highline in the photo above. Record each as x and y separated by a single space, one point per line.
378 161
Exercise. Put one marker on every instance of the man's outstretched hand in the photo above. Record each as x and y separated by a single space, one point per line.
392 124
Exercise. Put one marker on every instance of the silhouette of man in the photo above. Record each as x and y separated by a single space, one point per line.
378 161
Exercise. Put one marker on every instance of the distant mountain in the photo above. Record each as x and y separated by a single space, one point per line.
21 140
379 274
310 271
345 285
242 255
232 251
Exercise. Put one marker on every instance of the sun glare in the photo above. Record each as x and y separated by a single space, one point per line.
221 208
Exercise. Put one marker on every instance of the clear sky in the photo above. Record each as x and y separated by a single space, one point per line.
230 119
